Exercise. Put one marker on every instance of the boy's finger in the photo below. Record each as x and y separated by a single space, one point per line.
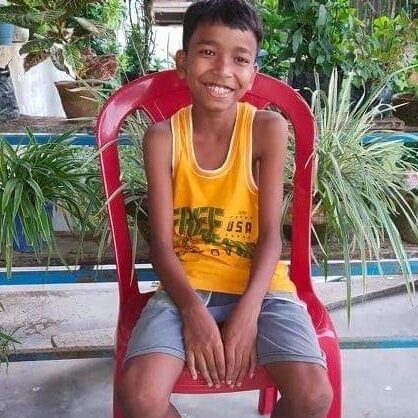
202 367
220 363
230 364
237 368
244 369
190 361
253 362
212 369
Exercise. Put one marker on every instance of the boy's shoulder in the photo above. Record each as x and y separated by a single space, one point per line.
160 129
269 122
270 133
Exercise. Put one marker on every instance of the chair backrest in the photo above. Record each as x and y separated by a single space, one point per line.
160 95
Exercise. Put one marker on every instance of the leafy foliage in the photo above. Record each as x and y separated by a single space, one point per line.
308 35
64 31
137 58
359 186
32 177
6 342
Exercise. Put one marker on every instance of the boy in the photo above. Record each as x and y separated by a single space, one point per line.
215 179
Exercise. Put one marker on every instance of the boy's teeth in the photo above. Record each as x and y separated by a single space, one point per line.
218 90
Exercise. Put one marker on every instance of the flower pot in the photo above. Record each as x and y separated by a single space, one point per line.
20 35
318 223
408 112
21 244
6 33
405 230
79 100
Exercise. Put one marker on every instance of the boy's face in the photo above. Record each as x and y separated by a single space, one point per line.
219 65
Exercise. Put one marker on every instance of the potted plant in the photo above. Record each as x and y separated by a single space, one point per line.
137 58
308 35
303 37
33 176
405 219
358 186
71 35
405 100
380 51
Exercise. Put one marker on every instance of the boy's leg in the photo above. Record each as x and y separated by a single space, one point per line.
304 388
146 386
287 345
154 360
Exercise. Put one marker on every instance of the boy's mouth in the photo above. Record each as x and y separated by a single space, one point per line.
218 90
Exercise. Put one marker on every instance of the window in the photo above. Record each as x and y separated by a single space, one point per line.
169 12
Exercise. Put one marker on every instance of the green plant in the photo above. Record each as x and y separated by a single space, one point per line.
359 186
313 31
134 188
6 342
274 40
112 14
33 176
137 58
368 10
67 33
308 35
382 51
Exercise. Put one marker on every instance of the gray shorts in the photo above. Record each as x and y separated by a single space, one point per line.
285 330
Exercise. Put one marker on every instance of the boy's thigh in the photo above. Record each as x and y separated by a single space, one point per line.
286 334
158 330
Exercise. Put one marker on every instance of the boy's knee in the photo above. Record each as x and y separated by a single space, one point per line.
313 402
138 401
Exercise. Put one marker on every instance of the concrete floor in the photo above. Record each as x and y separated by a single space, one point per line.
377 383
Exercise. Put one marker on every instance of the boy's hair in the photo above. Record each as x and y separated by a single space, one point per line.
235 14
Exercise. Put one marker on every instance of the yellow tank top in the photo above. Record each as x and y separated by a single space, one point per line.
215 227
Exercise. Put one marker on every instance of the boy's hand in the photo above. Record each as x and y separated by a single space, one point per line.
204 348
239 335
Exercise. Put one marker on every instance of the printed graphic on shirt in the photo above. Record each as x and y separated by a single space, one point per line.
197 228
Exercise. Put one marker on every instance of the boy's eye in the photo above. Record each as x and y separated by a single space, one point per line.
242 60
208 52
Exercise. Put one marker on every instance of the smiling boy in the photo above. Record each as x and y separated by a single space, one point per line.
215 189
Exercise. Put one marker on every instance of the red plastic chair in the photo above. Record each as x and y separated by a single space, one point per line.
159 95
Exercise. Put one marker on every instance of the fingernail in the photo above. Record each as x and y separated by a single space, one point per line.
210 384
251 375
239 384
217 386
228 382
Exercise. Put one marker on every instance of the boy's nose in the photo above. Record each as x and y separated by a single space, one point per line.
222 66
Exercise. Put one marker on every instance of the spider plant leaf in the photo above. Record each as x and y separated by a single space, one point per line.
9 189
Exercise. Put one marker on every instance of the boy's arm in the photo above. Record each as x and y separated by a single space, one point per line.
204 348
269 149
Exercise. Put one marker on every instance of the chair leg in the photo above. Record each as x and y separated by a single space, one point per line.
117 410
334 373
267 400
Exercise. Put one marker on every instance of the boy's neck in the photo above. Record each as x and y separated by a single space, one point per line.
214 124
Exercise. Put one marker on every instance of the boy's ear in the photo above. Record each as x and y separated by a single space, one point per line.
255 71
181 63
